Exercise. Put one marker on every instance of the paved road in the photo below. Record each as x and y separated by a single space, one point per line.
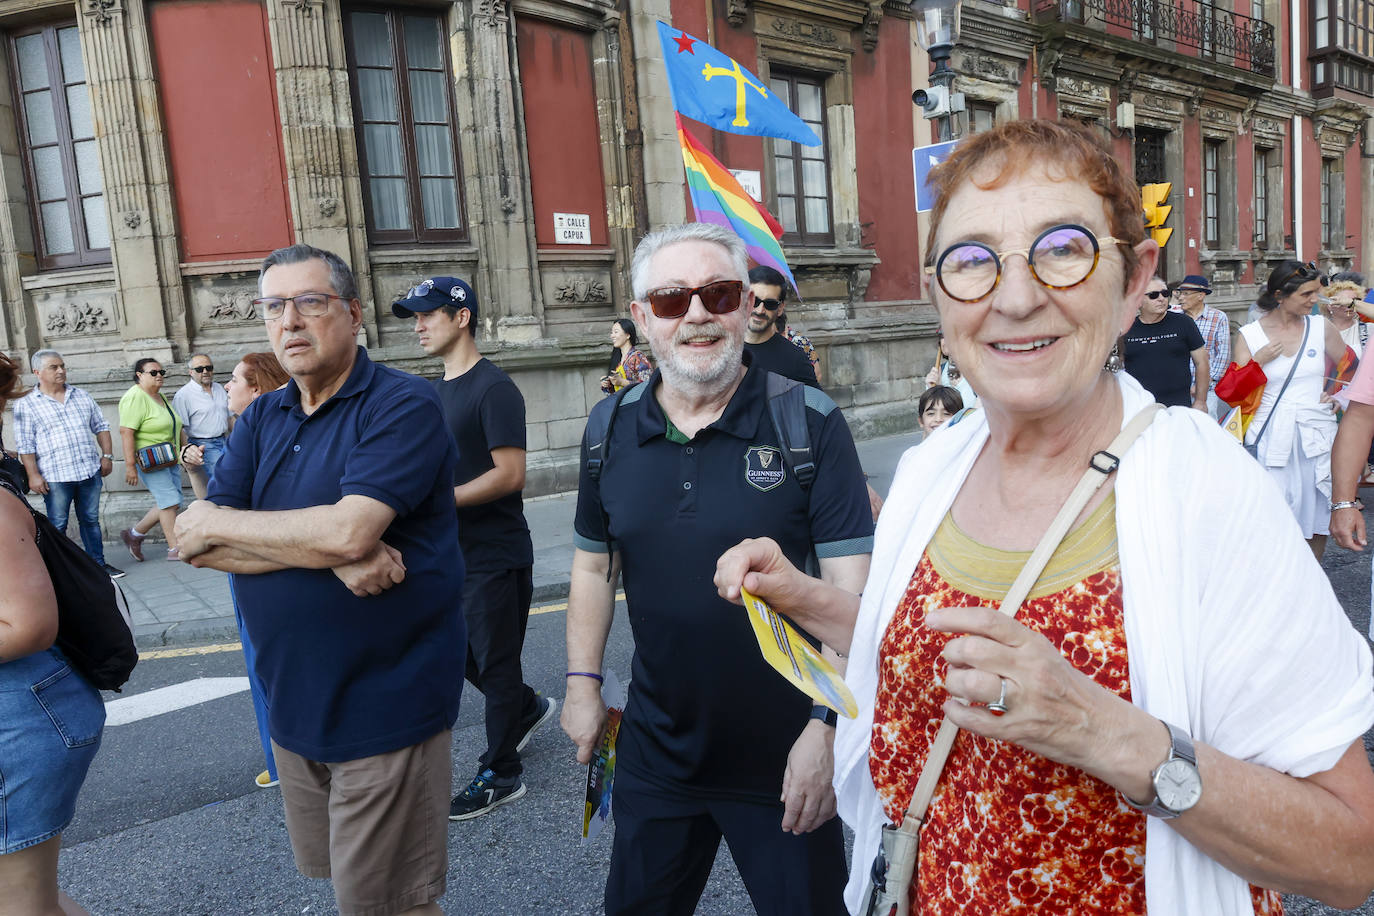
170 823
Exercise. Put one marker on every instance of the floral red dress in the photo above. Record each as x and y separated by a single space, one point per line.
1009 831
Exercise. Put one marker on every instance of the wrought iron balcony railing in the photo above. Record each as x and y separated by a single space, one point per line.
1216 33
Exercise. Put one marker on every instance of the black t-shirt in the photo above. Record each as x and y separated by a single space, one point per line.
1159 354
484 411
706 714
780 355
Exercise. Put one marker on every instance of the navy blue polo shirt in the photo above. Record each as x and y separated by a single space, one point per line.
348 677
706 714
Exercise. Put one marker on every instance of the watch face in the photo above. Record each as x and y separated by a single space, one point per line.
1178 785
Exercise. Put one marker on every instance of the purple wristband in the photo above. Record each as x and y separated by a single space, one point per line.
596 677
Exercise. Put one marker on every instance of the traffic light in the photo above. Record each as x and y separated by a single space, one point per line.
1152 198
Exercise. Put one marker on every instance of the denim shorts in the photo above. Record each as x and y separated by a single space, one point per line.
50 724
164 485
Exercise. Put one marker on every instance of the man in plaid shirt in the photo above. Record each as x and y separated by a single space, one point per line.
1216 333
54 426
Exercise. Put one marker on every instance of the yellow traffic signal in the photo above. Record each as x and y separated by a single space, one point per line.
1152 197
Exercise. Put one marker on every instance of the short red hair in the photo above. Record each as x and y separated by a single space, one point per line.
1068 150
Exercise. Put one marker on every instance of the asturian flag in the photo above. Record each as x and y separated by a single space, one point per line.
713 88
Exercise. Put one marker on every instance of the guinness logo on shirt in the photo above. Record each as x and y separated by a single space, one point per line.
763 467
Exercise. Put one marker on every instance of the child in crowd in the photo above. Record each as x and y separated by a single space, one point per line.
936 406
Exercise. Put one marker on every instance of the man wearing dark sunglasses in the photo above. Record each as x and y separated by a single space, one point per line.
767 348
203 406
711 735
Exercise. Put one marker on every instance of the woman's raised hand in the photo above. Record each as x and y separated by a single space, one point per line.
758 564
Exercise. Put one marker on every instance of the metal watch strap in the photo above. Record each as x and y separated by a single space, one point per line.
1180 747
1345 504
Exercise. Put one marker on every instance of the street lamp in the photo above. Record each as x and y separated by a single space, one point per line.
937 29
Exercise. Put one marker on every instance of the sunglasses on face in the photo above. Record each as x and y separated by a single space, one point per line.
156 373
202 368
720 298
1157 294
771 305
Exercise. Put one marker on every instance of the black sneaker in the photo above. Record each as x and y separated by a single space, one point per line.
114 572
529 726
484 793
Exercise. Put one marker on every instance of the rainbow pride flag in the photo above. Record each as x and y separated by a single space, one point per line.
718 198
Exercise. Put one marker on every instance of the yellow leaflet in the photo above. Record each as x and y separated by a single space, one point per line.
795 658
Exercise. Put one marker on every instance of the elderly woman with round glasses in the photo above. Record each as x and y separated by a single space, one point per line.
1146 731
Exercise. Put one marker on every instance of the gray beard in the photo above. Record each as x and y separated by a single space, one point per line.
706 379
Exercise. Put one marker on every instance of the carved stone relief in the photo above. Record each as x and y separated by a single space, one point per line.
102 11
873 19
303 8
71 318
986 66
579 290
328 206
807 32
1083 89
736 11
491 13
133 219
232 308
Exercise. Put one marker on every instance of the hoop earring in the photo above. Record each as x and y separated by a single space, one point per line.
1114 362
954 374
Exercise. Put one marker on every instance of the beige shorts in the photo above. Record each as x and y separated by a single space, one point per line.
377 826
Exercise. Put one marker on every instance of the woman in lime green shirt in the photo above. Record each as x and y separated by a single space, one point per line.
146 418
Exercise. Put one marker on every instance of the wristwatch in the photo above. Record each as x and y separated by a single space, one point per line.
1346 504
825 714
1177 783
108 457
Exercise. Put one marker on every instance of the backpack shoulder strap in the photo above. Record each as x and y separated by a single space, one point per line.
787 409
599 425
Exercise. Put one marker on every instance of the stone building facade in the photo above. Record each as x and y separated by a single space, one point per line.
152 151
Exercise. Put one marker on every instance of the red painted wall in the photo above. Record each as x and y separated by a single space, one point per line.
219 108
562 127
887 189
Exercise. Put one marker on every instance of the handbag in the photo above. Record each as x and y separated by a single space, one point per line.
899 850
159 455
94 627
1253 448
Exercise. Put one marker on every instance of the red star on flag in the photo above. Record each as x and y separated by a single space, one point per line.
685 44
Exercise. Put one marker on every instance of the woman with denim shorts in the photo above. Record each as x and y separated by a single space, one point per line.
50 718
146 418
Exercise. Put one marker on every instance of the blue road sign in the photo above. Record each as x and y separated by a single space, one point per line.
923 159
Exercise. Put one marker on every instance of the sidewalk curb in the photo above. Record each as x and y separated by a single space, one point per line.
186 633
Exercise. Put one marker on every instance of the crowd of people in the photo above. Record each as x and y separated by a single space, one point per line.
1071 678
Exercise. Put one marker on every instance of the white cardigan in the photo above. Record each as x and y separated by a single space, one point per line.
1232 630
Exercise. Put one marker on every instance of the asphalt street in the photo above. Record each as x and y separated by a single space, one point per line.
169 821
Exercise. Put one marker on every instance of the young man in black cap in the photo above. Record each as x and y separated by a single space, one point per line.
1192 296
486 414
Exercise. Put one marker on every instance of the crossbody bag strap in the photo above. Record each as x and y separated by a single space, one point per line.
1306 326
1100 467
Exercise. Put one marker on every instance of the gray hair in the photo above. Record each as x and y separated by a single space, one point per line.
656 241
1353 276
340 274
193 356
36 361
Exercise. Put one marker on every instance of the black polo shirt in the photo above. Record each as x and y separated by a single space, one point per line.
484 411
706 714
780 355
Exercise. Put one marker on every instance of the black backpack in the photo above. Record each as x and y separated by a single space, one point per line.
786 408
94 629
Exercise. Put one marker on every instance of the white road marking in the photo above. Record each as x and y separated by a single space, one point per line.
170 699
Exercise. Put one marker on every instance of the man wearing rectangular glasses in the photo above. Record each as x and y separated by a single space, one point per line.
203 405
712 738
333 507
